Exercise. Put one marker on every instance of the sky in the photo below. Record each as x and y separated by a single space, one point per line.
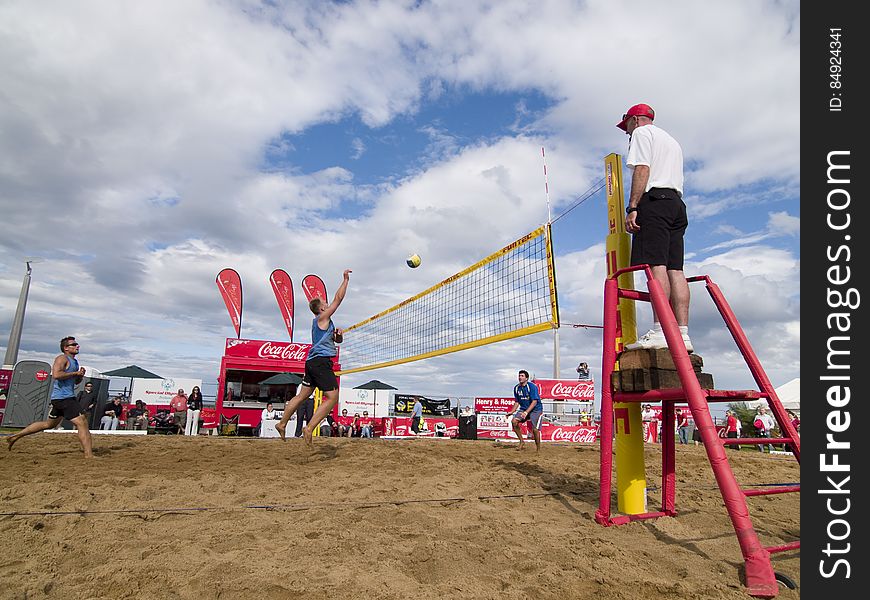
146 146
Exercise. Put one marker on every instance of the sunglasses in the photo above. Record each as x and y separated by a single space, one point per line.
73 344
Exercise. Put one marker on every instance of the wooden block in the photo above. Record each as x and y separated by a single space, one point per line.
659 358
643 380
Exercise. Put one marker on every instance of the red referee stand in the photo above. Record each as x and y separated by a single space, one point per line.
760 577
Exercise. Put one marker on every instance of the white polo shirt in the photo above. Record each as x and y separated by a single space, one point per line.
654 147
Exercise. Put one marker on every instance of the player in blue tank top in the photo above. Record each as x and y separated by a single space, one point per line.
66 373
318 366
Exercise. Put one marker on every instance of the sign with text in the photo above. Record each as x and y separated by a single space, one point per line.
493 405
566 389
550 432
278 351
161 391
404 403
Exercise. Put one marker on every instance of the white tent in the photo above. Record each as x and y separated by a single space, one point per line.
789 394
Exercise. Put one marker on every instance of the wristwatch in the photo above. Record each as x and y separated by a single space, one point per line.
630 209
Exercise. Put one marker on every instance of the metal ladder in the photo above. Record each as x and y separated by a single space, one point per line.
760 577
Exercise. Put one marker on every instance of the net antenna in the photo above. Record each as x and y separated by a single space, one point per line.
546 186
508 294
549 222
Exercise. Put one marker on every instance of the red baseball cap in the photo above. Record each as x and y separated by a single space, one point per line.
638 110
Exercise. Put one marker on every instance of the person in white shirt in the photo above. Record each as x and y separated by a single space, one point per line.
764 424
656 216
268 413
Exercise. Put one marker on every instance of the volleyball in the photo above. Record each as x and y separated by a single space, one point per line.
413 261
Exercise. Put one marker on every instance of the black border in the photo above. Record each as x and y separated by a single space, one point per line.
824 131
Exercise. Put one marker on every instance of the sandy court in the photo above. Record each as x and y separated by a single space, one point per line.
257 518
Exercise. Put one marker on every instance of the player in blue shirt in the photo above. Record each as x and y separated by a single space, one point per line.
527 409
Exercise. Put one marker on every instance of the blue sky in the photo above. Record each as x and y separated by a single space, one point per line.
147 146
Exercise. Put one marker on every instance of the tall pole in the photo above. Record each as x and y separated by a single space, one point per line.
549 220
18 322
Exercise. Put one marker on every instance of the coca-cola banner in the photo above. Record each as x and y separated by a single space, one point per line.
404 403
282 285
550 432
566 389
230 285
493 405
278 351
313 287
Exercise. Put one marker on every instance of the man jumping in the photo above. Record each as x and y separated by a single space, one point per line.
318 366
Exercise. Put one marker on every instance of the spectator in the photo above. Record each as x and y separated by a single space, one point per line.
112 416
583 371
137 417
342 424
683 425
416 416
355 426
732 428
326 426
796 423
764 425
366 425
178 406
304 413
87 399
194 408
268 412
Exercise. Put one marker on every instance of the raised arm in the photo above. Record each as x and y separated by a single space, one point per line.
336 300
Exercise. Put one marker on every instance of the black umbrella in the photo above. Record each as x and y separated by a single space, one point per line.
282 379
375 385
133 372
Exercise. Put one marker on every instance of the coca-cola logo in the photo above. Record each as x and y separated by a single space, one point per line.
296 352
560 390
581 435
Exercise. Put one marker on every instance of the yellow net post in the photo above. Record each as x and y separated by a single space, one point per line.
630 466
318 398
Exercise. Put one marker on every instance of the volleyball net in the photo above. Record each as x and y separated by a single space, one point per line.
508 294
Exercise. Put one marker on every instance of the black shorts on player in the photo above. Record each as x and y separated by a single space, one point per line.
319 374
68 408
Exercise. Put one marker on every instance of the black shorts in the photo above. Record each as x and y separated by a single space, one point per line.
319 374
68 408
661 214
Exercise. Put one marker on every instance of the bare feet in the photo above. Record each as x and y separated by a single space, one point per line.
280 429
10 441
521 446
306 433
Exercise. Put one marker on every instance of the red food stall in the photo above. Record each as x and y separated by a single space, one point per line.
248 362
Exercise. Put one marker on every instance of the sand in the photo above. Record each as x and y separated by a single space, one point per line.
236 518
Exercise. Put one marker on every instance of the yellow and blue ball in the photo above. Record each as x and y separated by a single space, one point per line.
413 261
